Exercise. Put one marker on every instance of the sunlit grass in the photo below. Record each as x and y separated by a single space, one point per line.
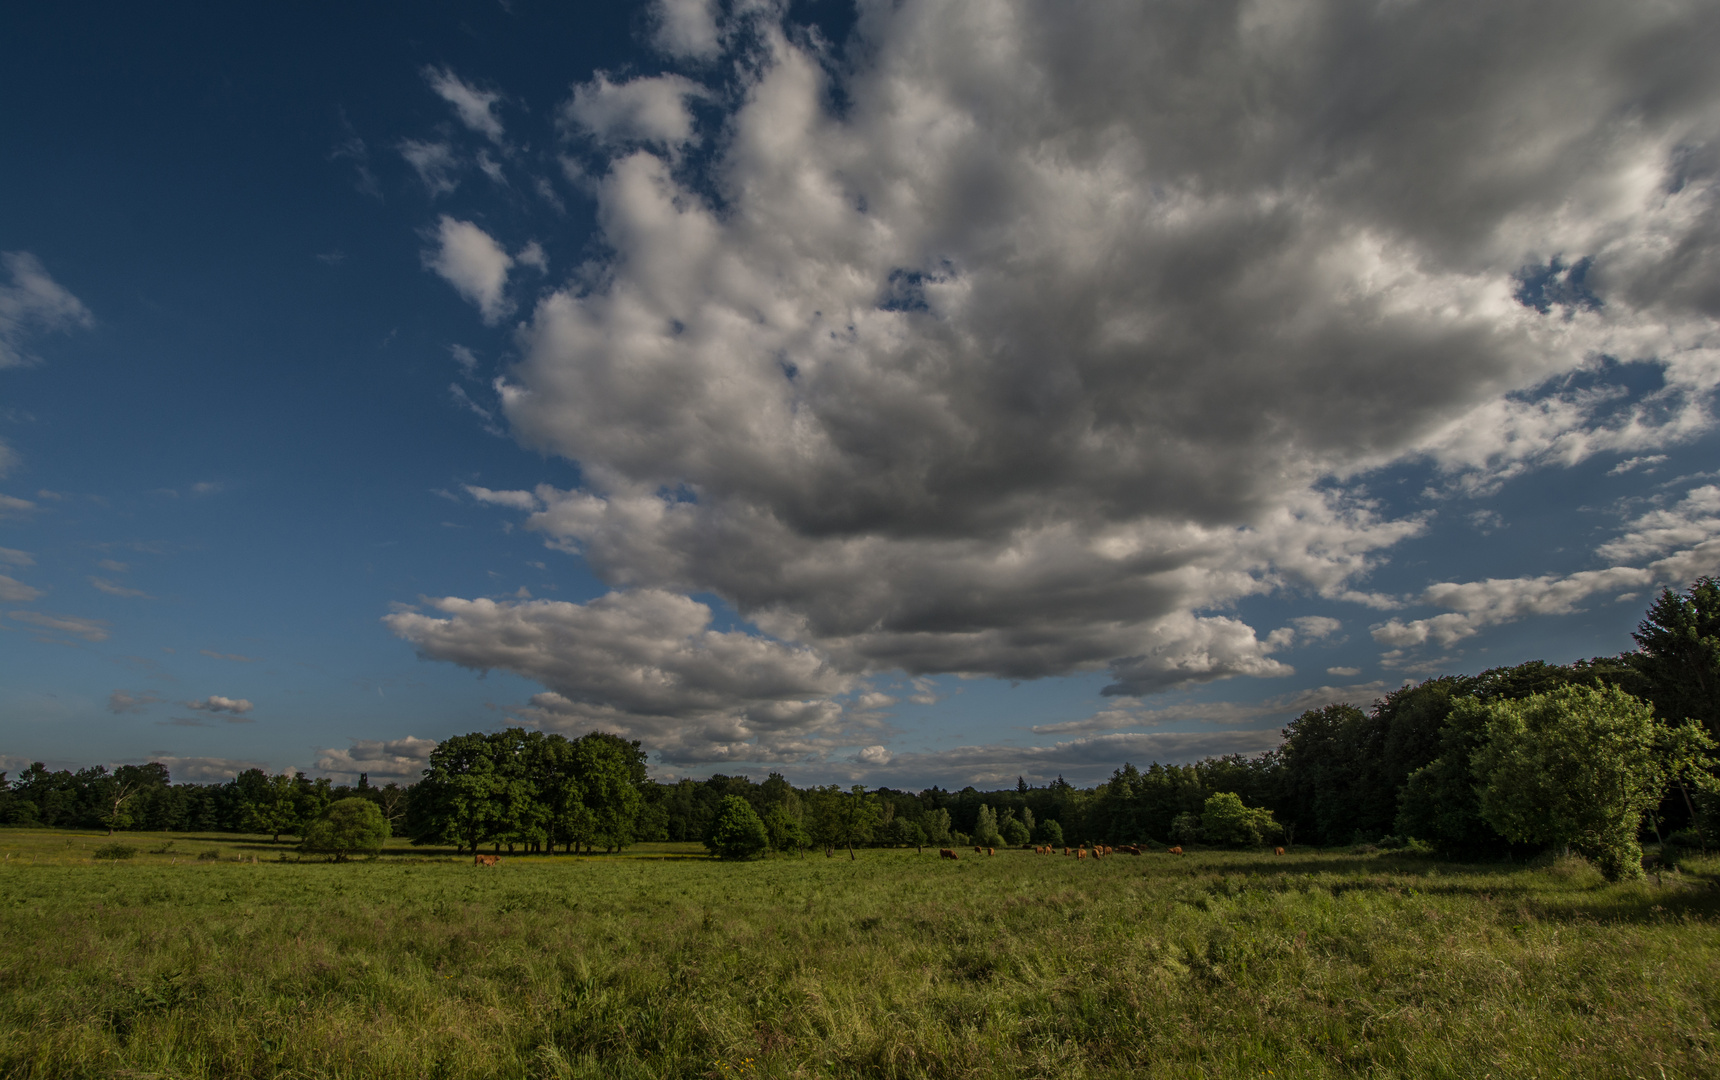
664 963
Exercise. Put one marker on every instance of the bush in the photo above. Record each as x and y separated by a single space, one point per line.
211 855
347 827
1049 832
116 851
1015 834
738 832
1226 821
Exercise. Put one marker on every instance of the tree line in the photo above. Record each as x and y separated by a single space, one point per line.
1587 755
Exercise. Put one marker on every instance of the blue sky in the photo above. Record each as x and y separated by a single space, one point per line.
909 393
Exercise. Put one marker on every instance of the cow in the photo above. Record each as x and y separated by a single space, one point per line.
977 851
486 861
946 853
1278 851
1175 851
1080 853
991 851
1065 851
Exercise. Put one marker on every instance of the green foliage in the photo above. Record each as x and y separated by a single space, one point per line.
786 829
985 832
1226 822
114 852
1049 832
738 832
1678 654
1015 833
348 827
1186 828
1576 766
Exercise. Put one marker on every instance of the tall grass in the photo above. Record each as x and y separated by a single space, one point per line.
895 965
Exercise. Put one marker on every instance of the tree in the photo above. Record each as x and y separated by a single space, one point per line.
985 833
1015 833
786 829
273 805
937 826
843 818
456 801
1225 820
1185 828
347 827
1574 767
1678 654
737 832
1049 832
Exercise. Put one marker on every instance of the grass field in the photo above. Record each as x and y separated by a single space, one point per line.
664 963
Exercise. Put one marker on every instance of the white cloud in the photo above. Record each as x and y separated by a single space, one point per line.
1316 627
435 163
1080 761
216 703
1344 672
16 558
470 260
33 303
686 28
88 629
13 591
475 108
515 500
1692 527
12 506
206 770
1130 713
645 663
126 701
646 110
1053 344
113 588
383 759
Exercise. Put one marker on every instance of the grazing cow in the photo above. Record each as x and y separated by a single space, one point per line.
946 853
486 861
1278 851
991 851
1176 850
1065 851
1080 853
977 851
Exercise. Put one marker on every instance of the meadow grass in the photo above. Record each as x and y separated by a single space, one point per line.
664 963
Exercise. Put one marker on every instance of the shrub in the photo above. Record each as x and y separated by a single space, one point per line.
347 827
738 832
1015 834
116 851
1226 821
1049 832
209 856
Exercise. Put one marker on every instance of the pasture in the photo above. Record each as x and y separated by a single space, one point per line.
663 963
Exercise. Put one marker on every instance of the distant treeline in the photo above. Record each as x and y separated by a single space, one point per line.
1420 763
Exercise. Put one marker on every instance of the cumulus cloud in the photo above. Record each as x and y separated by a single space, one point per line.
13 591
476 108
87 629
33 302
469 259
645 663
1692 527
216 703
686 28
383 759
1080 761
1037 357
644 110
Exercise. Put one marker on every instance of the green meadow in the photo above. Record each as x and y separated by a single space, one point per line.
662 962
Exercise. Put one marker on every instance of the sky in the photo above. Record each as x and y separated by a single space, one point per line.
899 393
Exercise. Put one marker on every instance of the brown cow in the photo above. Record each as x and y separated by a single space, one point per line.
1176 850
1278 851
946 853
991 851
1065 851
1080 853
485 860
